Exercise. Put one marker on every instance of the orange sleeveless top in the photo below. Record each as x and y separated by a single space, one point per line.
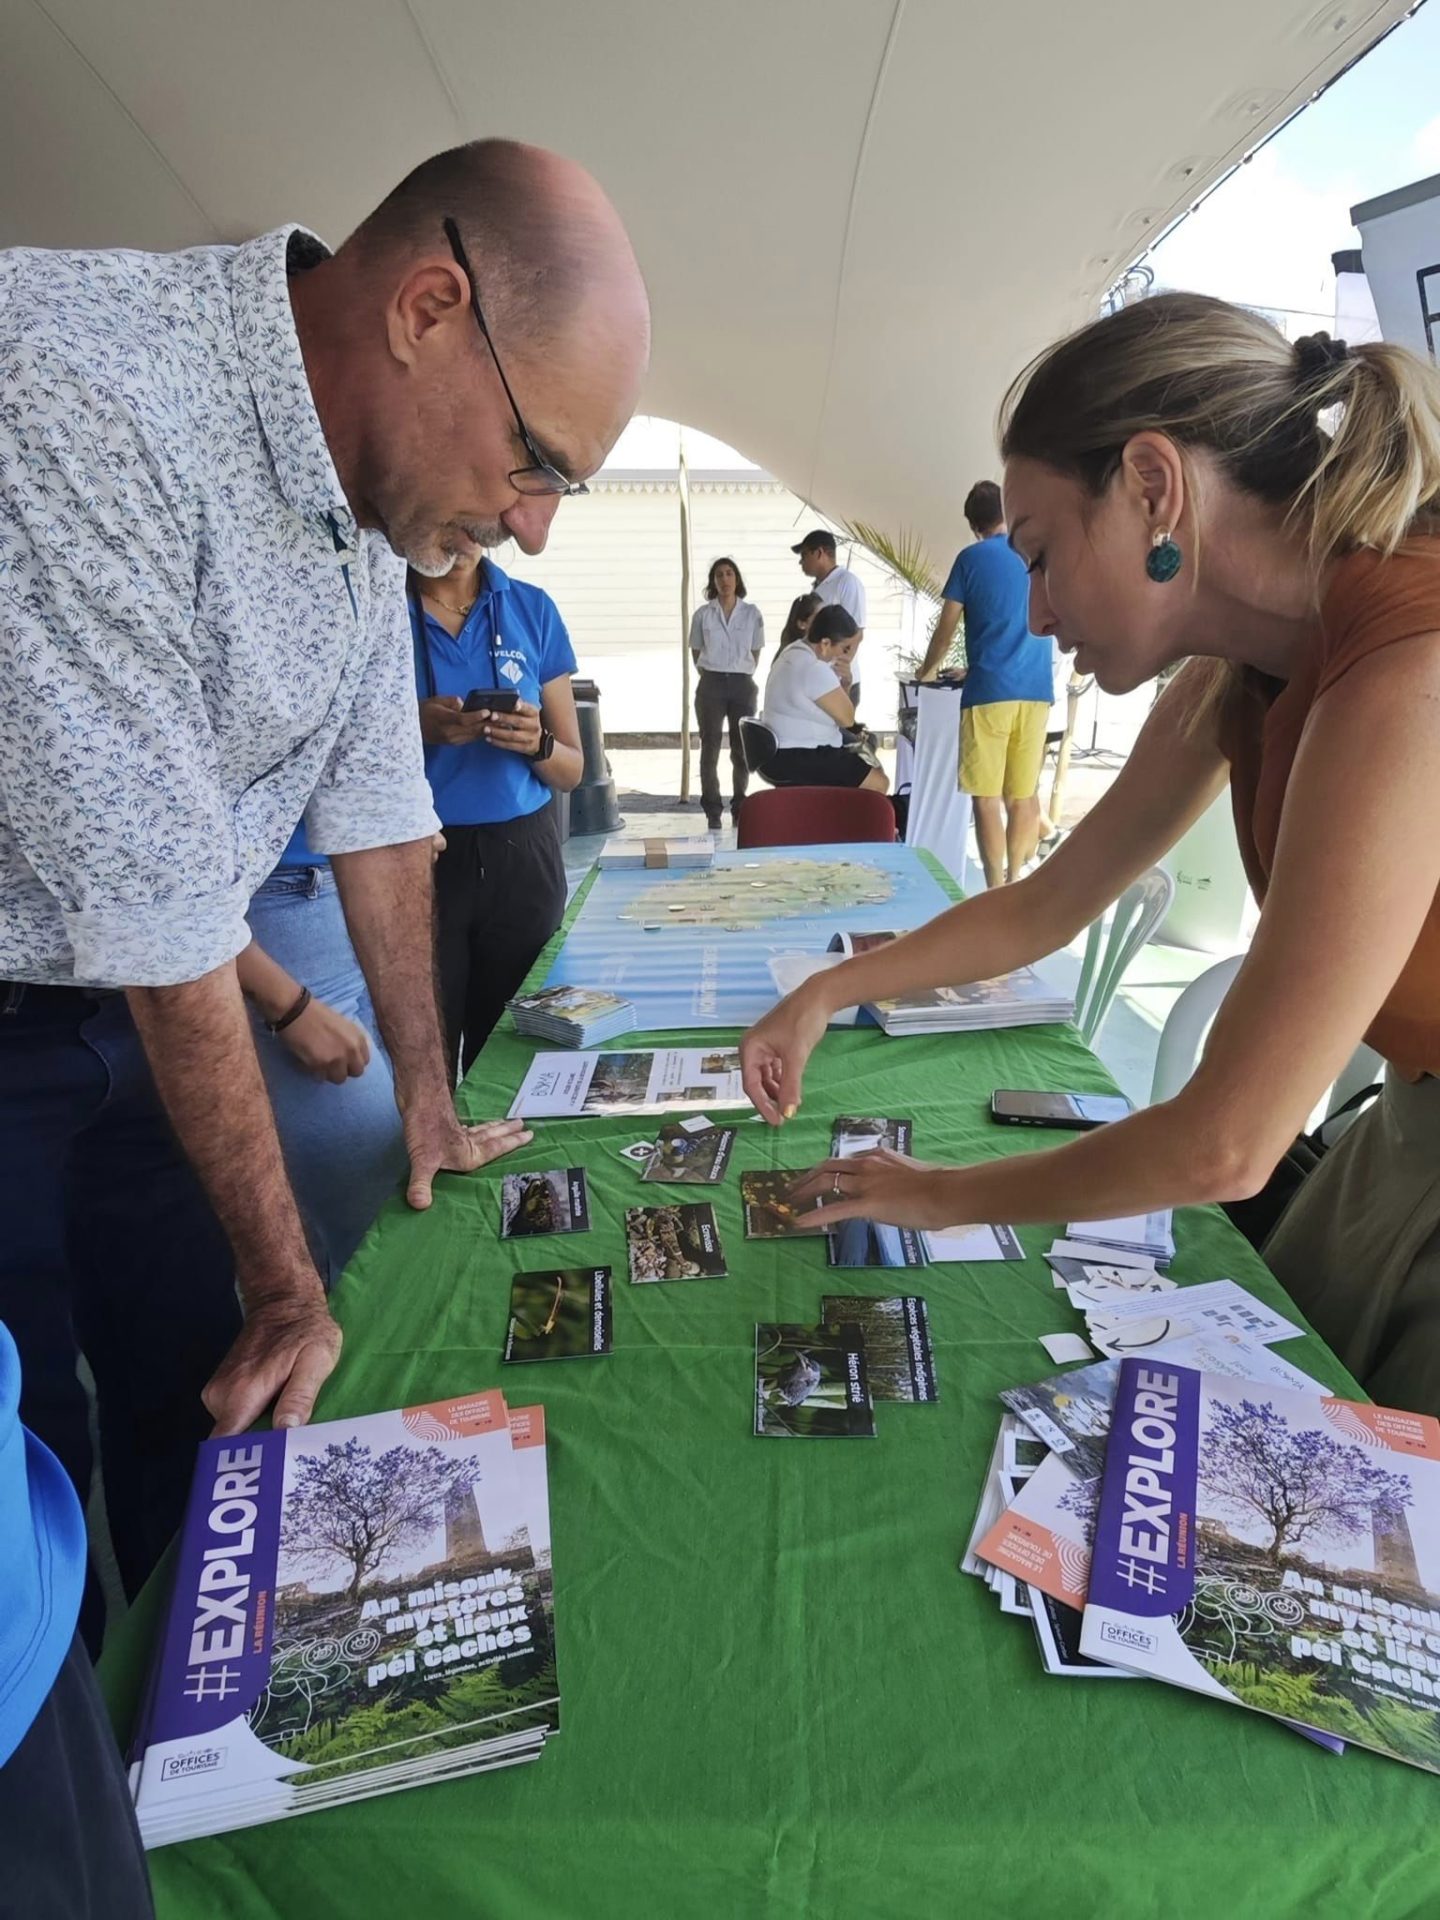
1369 603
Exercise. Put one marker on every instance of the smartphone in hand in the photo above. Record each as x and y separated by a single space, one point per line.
493 699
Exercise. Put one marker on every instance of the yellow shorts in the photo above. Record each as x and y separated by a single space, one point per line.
1002 748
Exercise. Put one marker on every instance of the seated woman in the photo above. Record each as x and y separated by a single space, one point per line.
806 708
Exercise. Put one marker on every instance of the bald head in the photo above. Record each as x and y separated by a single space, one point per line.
547 246
408 387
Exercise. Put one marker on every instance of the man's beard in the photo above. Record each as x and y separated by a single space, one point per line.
433 554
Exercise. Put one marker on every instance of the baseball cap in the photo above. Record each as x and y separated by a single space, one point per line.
817 537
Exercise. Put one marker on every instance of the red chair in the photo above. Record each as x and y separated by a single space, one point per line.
814 817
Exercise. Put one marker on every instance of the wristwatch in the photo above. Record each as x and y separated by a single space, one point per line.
545 748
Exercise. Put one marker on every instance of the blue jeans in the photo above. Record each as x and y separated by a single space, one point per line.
108 1245
343 1146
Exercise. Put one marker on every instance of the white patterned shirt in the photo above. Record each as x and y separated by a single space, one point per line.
183 671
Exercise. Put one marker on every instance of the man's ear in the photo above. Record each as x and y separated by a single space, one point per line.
432 295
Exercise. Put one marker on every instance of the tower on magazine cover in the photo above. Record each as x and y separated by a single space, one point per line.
1394 1549
464 1535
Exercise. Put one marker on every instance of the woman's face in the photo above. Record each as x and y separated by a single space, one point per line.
804 621
725 582
1088 585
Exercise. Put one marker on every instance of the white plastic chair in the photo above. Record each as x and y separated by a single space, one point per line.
1182 1038
1132 920
1182 1041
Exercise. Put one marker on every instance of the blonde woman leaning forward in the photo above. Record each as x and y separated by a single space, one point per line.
1182 483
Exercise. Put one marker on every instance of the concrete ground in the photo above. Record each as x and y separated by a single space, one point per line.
648 783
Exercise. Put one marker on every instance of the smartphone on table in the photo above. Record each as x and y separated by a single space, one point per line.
495 699
1077 1111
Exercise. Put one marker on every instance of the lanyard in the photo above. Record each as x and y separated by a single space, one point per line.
342 548
422 623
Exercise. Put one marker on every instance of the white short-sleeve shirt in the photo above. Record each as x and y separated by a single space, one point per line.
727 646
842 588
797 680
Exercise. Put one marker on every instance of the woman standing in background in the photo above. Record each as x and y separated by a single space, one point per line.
726 639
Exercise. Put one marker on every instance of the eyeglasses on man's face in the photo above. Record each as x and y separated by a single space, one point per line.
542 476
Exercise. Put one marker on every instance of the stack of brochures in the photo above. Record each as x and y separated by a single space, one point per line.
1227 1527
1020 999
1034 1528
572 1016
696 851
359 1606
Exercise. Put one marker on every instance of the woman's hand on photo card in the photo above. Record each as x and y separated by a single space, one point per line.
881 1185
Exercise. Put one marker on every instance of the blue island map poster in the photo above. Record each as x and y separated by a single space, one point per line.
691 947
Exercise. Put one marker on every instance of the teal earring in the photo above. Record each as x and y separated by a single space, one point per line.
1162 563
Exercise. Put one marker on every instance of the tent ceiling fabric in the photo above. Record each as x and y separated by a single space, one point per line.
858 220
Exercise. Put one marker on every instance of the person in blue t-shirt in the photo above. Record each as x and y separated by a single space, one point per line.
500 882
68 1840
1009 685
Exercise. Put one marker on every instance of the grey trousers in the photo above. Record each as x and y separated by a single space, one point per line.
721 700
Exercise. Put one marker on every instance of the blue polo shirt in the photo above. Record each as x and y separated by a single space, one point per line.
1006 660
512 637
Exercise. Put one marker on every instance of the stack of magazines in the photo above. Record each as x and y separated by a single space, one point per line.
572 1016
1020 999
359 1606
696 851
1262 1543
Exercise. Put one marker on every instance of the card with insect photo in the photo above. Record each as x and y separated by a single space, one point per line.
559 1315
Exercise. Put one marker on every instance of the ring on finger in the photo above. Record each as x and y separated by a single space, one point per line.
835 1187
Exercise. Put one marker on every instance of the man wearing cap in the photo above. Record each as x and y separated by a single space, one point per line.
835 585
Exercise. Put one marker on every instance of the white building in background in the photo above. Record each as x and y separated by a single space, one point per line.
612 566
1400 245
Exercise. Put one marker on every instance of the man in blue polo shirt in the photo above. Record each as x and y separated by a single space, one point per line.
1009 685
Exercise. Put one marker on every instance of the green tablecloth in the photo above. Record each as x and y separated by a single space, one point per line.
779 1695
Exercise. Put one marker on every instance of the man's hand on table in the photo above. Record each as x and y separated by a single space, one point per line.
438 1142
773 1054
884 1186
286 1351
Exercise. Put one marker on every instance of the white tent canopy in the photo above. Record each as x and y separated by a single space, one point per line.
858 220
